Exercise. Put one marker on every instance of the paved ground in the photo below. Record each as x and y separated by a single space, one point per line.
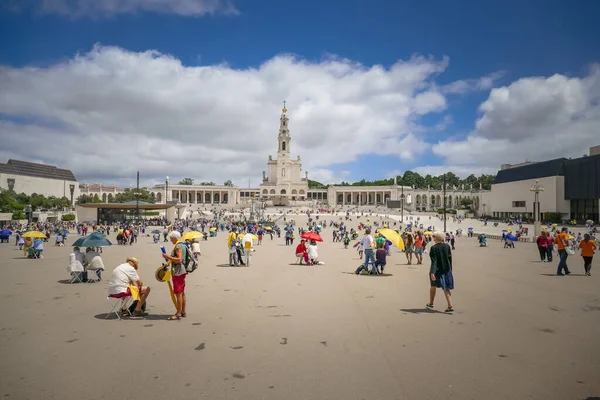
281 331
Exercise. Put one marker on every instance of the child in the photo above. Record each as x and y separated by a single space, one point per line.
360 249
380 255
346 240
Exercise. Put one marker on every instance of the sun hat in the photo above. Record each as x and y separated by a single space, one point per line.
162 274
133 260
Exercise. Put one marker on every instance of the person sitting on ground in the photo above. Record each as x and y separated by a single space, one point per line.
312 251
94 262
121 277
301 251
59 240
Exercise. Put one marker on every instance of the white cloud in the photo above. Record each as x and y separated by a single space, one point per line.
79 8
533 118
470 85
110 112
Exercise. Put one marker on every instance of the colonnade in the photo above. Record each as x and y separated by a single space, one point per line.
370 197
199 196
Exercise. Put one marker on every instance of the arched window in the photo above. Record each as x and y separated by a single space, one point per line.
283 146
283 171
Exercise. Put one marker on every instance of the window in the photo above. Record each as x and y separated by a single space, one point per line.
516 204
283 172
283 146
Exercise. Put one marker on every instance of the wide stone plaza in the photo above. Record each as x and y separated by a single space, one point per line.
277 330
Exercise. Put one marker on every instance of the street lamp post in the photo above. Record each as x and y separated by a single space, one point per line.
536 188
444 203
166 190
28 211
402 202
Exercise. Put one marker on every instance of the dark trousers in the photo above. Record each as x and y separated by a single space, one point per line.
587 263
549 253
562 265
543 251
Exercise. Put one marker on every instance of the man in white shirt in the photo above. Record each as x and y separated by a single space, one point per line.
118 286
367 244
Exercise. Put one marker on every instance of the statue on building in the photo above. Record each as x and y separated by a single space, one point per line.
264 176
270 158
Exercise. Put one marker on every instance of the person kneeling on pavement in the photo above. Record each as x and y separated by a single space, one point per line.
124 275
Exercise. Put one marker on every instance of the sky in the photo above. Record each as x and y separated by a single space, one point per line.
194 88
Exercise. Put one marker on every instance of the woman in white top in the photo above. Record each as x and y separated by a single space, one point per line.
94 262
196 249
312 251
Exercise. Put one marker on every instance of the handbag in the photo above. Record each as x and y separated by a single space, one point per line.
570 251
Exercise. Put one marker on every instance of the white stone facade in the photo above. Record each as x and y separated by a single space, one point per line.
284 175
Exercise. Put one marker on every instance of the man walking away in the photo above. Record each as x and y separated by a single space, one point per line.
562 241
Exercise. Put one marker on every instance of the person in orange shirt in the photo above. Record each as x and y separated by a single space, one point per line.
562 242
587 247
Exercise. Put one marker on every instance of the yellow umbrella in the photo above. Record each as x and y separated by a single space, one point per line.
34 234
192 235
213 229
427 233
554 224
393 237
571 237
121 231
241 236
269 228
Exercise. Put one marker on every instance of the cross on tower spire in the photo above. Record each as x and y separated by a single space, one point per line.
284 109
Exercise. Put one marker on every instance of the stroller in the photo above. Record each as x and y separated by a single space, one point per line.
156 237
121 239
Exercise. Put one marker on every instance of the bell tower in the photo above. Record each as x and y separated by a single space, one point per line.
283 150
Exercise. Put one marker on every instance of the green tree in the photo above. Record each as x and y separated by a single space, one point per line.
228 183
207 183
470 180
83 199
19 215
451 180
68 217
315 185
128 195
186 181
8 203
466 203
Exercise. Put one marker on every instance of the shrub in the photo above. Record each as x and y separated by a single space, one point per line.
68 217
19 215
555 217
448 211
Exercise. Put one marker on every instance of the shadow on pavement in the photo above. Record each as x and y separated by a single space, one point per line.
229 266
561 275
384 275
423 311
151 317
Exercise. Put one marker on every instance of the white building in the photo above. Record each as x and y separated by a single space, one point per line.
48 180
284 175
570 187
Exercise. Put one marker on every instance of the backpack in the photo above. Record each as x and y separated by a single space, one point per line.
189 262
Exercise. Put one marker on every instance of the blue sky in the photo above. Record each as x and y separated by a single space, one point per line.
511 40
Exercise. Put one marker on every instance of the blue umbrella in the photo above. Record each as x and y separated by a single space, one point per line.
5 232
511 237
504 230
